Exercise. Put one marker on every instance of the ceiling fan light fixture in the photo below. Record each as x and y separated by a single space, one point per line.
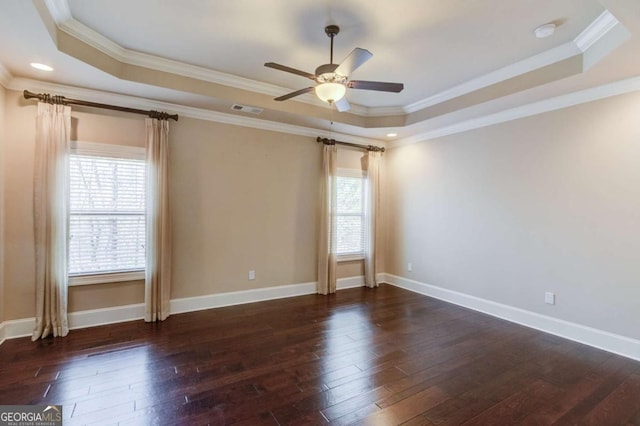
332 79
330 92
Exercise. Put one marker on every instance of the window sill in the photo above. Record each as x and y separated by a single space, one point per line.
105 278
349 257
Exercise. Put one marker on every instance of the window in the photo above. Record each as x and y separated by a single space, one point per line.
106 213
350 218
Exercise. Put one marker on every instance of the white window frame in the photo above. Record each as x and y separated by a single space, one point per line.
355 173
114 151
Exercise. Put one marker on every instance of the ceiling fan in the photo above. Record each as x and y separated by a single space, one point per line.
333 79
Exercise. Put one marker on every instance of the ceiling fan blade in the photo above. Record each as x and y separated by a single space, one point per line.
342 105
294 94
289 69
380 86
356 58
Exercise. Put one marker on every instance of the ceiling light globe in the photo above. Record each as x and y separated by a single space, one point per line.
330 92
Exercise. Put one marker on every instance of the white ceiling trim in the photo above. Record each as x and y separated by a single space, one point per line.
596 30
61 13
382 111
551 104
96 40
20 84
121 54
539 107
549 57
604 23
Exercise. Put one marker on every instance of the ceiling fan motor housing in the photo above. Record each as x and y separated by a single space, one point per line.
326 74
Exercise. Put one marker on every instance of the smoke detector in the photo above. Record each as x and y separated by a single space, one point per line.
545 30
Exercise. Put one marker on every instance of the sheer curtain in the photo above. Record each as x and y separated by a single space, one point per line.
373 167
327 245
51 220
158 250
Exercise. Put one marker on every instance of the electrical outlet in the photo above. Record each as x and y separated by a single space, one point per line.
252 275
409 267
549 298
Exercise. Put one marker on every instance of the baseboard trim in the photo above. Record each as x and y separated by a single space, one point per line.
105 316
198 303
610 342
17 328
209 301
95 317
2 333
23 327
350 282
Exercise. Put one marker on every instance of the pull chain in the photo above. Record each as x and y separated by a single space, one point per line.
331 117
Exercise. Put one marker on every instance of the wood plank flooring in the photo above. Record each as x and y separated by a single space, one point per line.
362 356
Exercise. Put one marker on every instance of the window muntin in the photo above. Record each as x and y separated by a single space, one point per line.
107 212
350 214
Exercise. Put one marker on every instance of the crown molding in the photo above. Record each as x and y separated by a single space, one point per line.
121 54
535 108
532 63
19 84
539 107
596 30
5 76
604 23
61 13
383 111
91 37
103 44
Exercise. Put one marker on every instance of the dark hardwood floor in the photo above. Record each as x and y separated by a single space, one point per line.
383 356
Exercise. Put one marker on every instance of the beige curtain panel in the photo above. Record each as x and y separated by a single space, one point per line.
374 169
51 220
158 250
327 245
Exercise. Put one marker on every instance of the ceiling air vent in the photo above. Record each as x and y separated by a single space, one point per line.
245 108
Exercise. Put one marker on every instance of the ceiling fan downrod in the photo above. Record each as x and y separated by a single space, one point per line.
331 31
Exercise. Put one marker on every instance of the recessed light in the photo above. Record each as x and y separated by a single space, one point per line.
392 135
545 30
41 67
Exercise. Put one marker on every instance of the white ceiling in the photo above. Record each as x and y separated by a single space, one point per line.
432 46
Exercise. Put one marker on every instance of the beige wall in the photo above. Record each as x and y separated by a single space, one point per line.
350 158
2 144
241 199
507 212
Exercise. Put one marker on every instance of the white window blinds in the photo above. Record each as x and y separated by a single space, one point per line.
350 219
107 214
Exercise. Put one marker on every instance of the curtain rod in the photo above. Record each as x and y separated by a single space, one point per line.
327 141
45 97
